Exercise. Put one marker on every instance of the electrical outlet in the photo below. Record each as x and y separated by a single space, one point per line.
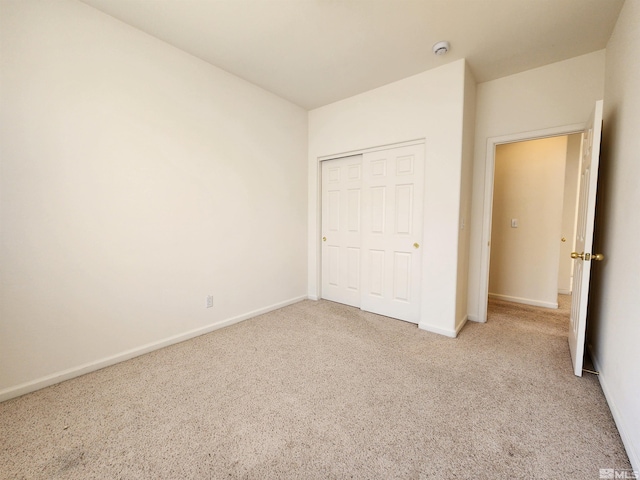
209 301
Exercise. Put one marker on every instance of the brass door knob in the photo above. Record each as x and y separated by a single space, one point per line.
324 239
563 239
416 245
587 256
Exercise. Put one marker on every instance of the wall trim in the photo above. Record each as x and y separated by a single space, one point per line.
438 330
562 291
388 146
526 301
474 318
461 324
634 457
73 372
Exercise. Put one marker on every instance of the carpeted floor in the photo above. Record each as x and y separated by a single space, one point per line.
322 390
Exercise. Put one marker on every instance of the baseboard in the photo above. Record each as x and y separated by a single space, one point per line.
313 297
438 330
526 301
634 457
461 324
562 291
473 318
70 373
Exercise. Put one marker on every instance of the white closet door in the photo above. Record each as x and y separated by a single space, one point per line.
392 200
341 232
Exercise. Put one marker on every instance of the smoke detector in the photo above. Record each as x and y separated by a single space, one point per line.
441 48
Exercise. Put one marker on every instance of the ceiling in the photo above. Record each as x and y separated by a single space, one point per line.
315 52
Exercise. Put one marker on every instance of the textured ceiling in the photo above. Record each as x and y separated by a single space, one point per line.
314 52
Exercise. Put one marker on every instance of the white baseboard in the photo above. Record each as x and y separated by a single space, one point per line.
562 291
46 381
438 330
461 323
634 457
313 297
473 318
526 301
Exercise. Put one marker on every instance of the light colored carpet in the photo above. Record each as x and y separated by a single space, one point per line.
322 390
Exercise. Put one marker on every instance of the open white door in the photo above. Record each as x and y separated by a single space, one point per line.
584 237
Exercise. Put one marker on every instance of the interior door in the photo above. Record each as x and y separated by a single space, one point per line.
584 237
392 193
341 220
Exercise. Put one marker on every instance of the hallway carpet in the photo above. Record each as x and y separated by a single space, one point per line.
321 390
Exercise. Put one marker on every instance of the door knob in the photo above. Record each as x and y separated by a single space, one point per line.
563 239
587 256
416 245
324 239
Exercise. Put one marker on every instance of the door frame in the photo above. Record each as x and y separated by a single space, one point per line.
487 208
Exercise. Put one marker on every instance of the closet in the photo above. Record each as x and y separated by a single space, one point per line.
372 213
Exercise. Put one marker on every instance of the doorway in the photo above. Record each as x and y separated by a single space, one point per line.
492 144
586 202
534 219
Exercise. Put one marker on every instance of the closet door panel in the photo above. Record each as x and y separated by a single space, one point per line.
392 199
341 229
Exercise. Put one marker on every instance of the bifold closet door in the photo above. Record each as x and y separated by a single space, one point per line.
341 220
392 219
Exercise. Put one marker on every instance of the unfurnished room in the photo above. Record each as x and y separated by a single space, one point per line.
316 239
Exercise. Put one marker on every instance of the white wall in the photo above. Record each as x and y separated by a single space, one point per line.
468 133
559 94
426 106
614 311
528 187
571 176
136 180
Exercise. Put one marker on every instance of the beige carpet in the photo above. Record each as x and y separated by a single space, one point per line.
321 390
